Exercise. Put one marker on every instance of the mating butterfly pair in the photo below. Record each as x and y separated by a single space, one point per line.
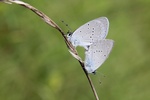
92 36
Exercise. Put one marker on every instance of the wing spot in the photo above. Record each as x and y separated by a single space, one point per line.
90 36
80 31
92 31
88 24
105 55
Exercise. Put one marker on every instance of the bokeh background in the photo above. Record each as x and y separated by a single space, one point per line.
36 65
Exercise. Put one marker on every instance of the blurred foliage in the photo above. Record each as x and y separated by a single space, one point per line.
36 65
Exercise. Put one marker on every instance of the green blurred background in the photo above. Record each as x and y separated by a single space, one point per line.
36 65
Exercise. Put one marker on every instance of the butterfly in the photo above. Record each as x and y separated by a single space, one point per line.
90 32
96 54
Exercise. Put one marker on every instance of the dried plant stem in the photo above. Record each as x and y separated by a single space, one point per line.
90 81
50 22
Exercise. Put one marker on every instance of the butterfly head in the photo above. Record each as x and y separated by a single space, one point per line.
69 35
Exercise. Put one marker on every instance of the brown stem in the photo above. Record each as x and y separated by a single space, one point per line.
54 25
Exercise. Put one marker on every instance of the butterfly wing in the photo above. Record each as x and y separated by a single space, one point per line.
97 53
90 32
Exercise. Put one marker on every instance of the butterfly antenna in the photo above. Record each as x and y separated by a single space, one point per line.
69 31
96 72
100 82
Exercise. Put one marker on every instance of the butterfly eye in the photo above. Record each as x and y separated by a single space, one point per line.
69 34
94 72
